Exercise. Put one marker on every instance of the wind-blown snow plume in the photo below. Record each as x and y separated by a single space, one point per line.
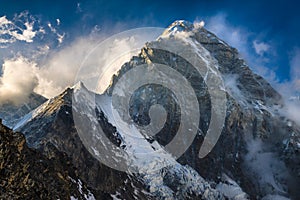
59 70
33 62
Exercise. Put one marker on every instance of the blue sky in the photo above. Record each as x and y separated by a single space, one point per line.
265 32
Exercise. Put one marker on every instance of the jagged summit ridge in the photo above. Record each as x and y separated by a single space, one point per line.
182 28
78 86
241 82
179 25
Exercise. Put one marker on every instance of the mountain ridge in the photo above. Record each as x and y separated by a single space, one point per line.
11 113
27 174
253 135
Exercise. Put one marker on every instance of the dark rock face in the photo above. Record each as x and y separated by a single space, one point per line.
10 113
54 126
252 115
258 148
253 86
27 174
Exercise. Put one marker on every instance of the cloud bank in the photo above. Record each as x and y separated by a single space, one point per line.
25 46
22 76
18 80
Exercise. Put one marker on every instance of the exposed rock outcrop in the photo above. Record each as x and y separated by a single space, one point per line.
25 173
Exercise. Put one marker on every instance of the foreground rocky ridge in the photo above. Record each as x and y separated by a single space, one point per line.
257 153
27 174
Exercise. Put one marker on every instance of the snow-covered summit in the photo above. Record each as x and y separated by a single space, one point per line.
78 86
182 26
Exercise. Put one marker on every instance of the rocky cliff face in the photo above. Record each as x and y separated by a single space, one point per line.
27 174
258 147
53 124
256 156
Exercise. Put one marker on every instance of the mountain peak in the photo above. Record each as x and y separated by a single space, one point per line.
253 130
78 86
182 26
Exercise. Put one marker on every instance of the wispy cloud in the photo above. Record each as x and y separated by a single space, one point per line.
235 36
295 66
11 32
246 43
78 9
28 36
260 47
60 36
291 90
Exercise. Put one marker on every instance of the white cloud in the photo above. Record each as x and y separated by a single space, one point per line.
51 28
10 32
231 85
61 67
21 77
3 21
25 33
291 90
292 87
260 47
60 37
18 80
292 111
49 72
